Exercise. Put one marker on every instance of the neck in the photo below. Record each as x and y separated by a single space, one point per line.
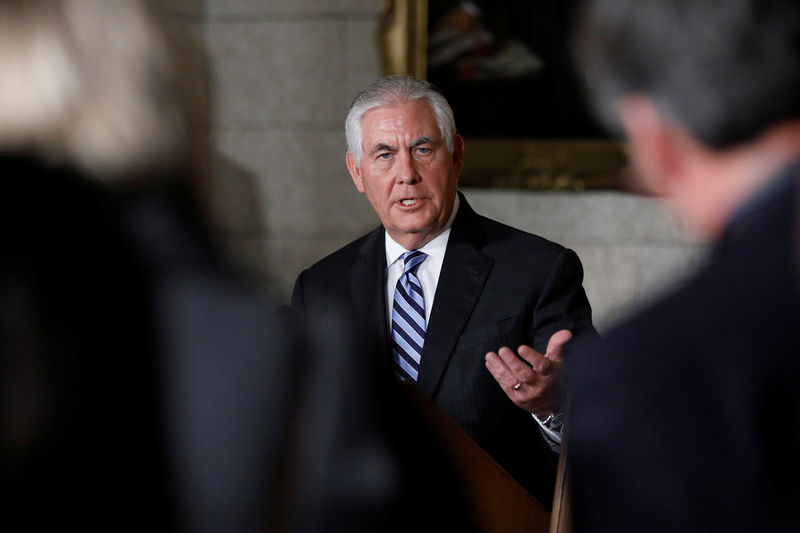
720 182
414 241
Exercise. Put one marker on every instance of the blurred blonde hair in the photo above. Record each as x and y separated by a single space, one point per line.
90 83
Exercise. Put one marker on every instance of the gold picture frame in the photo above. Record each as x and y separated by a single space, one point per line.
541 163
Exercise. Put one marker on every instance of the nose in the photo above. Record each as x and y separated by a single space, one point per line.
407 170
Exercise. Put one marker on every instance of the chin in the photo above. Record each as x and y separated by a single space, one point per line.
417 227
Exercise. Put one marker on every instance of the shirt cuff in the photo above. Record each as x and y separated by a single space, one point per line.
552 428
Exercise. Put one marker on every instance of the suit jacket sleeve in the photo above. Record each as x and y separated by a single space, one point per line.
563 304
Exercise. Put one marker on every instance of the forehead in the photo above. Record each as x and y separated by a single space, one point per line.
400 121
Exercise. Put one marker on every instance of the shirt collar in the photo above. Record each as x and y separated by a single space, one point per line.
436 247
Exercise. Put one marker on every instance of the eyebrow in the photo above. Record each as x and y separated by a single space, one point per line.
423 140
380 147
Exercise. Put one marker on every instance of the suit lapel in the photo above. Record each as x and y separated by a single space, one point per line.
367 279
464 272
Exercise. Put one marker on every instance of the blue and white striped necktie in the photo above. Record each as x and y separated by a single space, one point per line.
408 319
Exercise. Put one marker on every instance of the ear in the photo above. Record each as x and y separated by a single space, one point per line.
355 172
458 154
656 146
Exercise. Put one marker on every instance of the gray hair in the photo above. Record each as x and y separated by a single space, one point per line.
391 90
90 84
725 70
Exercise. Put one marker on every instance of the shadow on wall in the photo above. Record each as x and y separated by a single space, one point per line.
229 192
238 216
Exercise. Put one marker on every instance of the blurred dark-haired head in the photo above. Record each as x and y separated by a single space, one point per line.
725 70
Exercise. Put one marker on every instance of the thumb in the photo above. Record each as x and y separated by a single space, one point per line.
556 344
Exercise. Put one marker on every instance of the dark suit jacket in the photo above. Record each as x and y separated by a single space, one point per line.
498 287
687 417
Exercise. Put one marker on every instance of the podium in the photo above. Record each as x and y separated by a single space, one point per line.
499 504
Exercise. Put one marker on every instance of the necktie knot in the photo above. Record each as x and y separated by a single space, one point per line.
412 260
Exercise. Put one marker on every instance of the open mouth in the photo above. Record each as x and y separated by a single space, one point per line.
409 201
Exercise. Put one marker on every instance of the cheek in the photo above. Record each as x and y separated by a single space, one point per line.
444 182
377 193
373 180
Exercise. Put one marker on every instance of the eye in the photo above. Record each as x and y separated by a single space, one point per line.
423 150
385 156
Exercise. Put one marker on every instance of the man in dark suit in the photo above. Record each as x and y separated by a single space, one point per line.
479 291
687 418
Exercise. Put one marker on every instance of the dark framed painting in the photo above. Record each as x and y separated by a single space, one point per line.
505 68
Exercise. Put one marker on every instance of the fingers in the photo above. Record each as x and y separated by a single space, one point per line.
517 367
550 361
541 364
531 387
507 369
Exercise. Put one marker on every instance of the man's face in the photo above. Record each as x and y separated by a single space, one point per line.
406 172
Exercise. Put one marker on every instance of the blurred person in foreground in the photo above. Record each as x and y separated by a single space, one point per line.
145 383
687 418
137 369
472 312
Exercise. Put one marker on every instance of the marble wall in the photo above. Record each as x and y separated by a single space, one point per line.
282 74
